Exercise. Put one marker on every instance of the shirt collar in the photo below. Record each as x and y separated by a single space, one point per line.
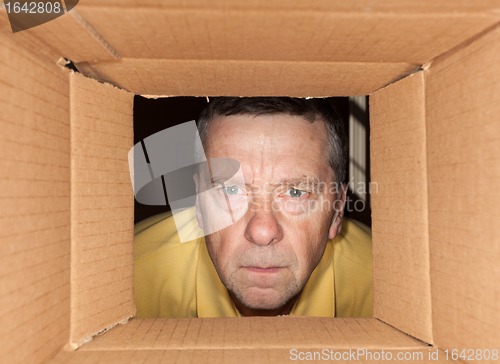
318 297
212 297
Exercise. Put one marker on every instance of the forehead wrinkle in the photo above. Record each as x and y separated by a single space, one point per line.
263 158
265 142
288 181
303 181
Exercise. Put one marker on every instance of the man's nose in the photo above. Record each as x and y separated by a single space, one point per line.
263 229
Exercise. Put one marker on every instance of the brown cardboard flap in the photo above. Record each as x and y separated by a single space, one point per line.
27 40
34 206
102 207
252 332
66 36
256 355
399 206
462 97
363 5
283 34
388 31
249 78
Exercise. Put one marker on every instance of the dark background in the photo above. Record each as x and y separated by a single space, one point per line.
154 115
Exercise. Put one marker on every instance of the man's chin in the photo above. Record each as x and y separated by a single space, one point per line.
257 298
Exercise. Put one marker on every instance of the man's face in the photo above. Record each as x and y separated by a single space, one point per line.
266 257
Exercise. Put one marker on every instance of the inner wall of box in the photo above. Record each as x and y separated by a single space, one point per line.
463 160
103 297
431 132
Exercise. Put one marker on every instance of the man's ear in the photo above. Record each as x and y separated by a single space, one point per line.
197 204
338 213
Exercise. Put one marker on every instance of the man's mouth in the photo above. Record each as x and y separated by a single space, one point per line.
264 269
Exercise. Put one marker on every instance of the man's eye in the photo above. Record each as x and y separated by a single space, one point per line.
232 190
293 192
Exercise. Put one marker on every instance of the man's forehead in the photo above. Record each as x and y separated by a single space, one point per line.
277 131
273 147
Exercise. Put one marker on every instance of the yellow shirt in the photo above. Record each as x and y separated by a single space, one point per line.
179 280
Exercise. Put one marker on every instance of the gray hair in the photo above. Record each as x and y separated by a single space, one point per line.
310 109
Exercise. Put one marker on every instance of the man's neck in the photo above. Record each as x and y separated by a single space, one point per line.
245 311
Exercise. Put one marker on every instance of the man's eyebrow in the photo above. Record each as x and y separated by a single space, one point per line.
292 180
314 183
220 179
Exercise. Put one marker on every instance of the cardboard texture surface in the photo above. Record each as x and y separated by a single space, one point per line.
65 184
337 5
252 332
246 78
400 231
28 41
35 206
102 207
282 35
464 204
230 356
201 49
65 36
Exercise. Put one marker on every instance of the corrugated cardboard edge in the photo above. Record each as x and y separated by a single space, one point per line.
74 346
88 71
248 78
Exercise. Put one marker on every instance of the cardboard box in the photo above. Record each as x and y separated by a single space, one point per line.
432 71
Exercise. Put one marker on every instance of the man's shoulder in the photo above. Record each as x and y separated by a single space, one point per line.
355 243
159 234
353 270
165 268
